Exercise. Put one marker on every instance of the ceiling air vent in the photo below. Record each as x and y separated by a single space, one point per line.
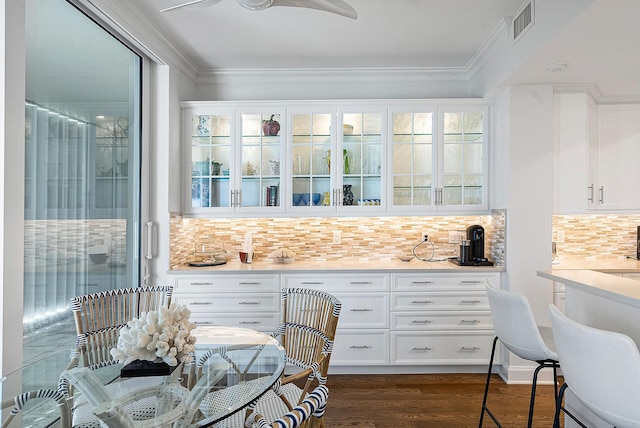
523 21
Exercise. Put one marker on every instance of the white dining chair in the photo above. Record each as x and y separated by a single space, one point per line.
601 368
517 330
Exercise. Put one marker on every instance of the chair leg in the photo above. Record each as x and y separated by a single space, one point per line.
542 365
559 407
486 389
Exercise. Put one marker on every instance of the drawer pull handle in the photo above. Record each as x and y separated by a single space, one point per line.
470 302
201 303
421 322
203 323
421 301
250 322
471 282
422 282
249 283
471 349
360 347
362 310
469 321
311 283
201 283
361 282
426 348
248 303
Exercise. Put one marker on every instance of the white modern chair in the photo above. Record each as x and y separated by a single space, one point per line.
601 368
516 328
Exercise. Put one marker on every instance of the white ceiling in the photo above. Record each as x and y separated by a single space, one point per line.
600 46
387 33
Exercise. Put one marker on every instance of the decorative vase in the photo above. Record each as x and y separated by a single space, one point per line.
345 157
347 195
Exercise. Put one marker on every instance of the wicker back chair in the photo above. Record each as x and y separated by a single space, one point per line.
305 415
98 319
19 401
308 328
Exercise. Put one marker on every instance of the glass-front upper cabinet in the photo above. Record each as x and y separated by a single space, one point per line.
464 149
438 159
312 142
261 156
360 161
211 157
234 160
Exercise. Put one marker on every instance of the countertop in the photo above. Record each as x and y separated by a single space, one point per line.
336 266
598 263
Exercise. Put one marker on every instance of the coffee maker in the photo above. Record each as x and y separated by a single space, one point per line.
473 248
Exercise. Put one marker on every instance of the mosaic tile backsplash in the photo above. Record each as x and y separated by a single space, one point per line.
596 234
311 238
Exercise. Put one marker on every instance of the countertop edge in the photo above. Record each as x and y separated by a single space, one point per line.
623 290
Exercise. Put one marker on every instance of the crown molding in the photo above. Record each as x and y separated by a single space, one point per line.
488 48
588 88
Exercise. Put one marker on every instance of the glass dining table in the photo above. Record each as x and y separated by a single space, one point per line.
232 367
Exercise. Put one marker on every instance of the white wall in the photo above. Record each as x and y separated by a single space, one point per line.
523 164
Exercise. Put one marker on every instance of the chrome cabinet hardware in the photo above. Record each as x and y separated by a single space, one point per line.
201 283
426 348
469 321
421 322
201 303
471 282
470 302
362 310
360 282
422 282
360 347
601 194
249 283
248 303
421 301
590 188
311 283
467 348
250 322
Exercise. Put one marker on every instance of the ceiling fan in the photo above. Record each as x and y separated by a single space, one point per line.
334 6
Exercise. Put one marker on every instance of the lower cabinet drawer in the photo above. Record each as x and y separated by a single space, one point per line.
452 347
425 320
460 301
361 347
363 311
255 302
265 322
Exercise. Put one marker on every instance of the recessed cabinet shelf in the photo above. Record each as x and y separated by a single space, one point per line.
328 159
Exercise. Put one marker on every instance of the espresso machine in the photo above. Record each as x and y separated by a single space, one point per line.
472 248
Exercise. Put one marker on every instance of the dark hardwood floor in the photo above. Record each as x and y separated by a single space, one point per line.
431 400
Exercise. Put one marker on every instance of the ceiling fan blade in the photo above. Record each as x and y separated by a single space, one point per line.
191 3
334 6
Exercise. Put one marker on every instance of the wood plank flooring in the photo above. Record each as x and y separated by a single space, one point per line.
431 400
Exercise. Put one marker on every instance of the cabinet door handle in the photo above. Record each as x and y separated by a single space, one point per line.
232 198
471 282
421 282
238 198
421 322
590 188
426 348
421 301
201 303
469 349
361 282
311 283
360 347
249 283
602 194
201 283
248 303
470 302
362 310
250 322
469 321
204 323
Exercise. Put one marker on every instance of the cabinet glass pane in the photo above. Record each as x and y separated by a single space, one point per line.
412 163
463 158
311 159
210 160
260 160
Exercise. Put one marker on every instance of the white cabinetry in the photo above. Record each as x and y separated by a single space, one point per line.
574 186
362 337
438 158
440 318
243 300
618 151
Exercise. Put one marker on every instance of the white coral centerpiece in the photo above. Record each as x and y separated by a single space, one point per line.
164 334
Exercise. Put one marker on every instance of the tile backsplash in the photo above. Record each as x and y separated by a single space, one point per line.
311 238
596 234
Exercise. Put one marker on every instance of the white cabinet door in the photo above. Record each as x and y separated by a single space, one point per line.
574 153
618 153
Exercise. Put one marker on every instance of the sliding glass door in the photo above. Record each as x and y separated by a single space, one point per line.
82 167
